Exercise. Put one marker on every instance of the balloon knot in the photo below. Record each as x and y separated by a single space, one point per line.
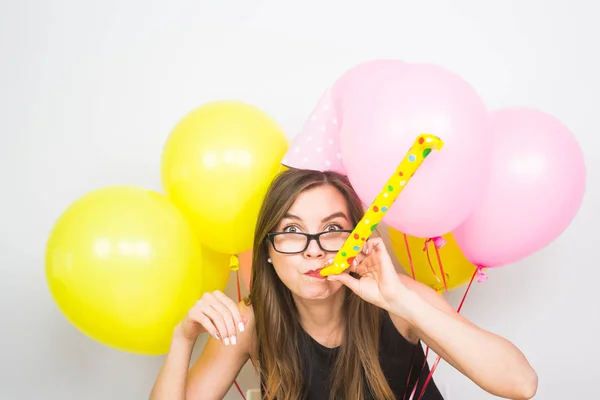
234 263
481 276
438 242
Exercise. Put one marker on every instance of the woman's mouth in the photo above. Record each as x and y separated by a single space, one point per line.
315 273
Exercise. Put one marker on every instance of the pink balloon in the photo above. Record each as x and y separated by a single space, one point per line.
536 186
381 121
361 77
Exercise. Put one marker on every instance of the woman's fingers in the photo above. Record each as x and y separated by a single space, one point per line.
197 316
218 320
233 309
219 315
364 259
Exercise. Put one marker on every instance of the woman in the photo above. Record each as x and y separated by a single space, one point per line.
348 336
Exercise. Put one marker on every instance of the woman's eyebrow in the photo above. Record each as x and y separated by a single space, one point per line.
292 216
338 214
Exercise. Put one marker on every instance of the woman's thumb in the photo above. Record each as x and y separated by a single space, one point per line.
345 279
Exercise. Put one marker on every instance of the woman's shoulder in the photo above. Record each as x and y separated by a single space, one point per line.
245 307
247 312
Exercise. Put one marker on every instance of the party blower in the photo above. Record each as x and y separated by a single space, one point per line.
384 200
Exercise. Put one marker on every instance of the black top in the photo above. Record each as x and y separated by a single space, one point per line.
396 355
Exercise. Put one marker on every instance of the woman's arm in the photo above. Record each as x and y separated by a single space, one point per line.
219 365
231 327
213 374
210 377
491 361
170 383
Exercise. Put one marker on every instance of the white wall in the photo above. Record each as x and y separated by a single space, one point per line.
90 90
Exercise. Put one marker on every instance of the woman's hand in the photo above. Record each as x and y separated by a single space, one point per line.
379 283
216 314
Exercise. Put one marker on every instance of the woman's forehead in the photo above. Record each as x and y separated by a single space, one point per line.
319 203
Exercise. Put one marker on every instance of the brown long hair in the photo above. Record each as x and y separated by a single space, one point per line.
356 368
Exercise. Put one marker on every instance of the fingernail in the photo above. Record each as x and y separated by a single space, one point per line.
241 327
367 251
233 340
226 341
217 336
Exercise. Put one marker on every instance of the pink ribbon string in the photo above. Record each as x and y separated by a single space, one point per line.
412 394
410 260
239 389
437 360
410 371
426 250
239 293
438 243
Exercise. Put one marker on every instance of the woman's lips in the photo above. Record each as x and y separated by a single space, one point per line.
314 273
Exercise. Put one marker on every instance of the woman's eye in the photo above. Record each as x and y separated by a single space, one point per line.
333 227
290 229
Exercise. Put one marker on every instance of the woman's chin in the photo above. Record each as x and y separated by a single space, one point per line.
318 289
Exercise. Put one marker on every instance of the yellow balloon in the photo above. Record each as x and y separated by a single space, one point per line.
216 166
124 266
457 269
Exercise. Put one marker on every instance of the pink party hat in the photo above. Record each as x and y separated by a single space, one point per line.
317 145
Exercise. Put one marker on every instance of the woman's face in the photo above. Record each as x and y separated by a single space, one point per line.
321 209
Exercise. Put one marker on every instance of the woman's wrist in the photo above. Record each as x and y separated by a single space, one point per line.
180 336
181 346
406 305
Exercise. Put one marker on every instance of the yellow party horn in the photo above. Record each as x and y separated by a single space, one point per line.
389 193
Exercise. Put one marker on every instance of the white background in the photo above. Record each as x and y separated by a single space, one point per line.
89 92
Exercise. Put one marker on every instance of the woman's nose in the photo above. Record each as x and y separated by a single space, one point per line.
314 250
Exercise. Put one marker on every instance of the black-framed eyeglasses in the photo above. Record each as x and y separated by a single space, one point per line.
296 242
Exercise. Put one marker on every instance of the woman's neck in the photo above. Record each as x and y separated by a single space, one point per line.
323 319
